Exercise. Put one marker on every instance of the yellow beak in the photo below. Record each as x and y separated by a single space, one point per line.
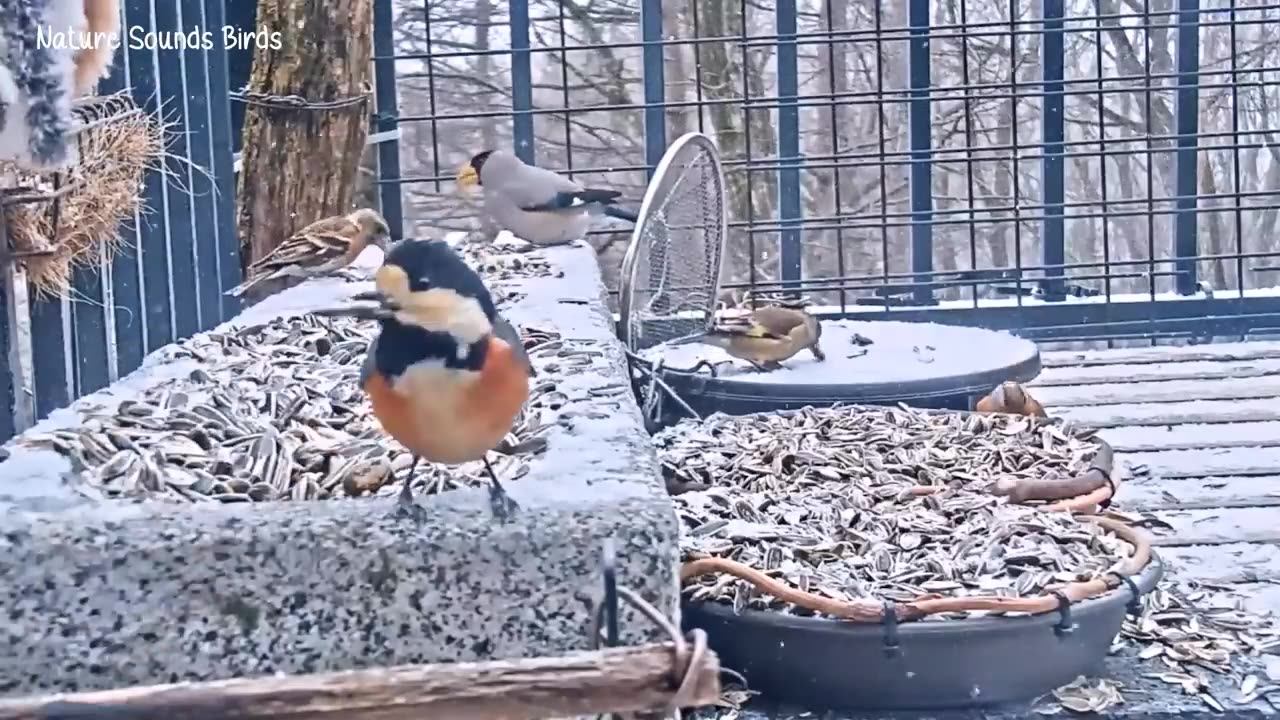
467 177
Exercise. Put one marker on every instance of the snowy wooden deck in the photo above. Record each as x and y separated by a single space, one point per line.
1199 429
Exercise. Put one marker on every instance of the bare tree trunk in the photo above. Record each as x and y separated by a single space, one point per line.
300 164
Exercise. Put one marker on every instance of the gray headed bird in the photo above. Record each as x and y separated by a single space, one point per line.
766 337
534 204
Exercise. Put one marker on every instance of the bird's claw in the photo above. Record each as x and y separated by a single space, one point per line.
501 503
409 509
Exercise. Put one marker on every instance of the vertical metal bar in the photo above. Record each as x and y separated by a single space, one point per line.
237 63
919 113
882 140
109 320
834 114
53 386
12 377
8 376
387 118
157 305
1053 165
1187 158
431 94
790 253
200 148
1015 168
18 323
655 125
222 134
1236 185
180 222
521 82
126 269
970 142
89 331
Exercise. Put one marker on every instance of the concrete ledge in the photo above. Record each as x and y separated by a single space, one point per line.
100 594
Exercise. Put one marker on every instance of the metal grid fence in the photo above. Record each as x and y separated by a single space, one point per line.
166 282
1064 168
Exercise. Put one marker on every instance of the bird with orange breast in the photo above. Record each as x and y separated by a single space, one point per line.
446 375
1010 397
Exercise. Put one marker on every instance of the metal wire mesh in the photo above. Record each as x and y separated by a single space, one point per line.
1061 168
671 272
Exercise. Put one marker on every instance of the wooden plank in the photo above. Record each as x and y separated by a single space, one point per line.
1147 494
1249 350
1055 397
1172 413
1205 463
1156 372
1221 564
1193 436
616 680
1215 527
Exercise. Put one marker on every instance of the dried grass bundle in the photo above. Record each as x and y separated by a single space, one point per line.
79 220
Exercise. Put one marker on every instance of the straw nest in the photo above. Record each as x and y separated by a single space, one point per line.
77 220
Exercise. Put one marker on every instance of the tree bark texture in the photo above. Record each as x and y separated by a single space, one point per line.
300 164
617 680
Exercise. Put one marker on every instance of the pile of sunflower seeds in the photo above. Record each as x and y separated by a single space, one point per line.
272 412
822 499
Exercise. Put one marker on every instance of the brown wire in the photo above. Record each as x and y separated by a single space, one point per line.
687 659
872 611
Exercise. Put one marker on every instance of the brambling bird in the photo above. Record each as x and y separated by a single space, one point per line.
1010 397
446 375
323 247
537 205
766 337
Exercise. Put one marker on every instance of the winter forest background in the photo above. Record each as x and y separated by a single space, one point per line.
974 171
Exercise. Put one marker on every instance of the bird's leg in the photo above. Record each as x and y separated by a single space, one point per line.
406 506
772 365
760 367
501 503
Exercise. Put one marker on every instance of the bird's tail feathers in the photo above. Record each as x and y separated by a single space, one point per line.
614 211
597 195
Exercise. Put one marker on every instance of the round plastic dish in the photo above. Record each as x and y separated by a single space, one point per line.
922 364
824 664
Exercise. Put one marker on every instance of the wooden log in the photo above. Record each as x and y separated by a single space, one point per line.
615 680
300 164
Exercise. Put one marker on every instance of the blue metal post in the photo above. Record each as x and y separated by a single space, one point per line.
222 133
126 276
6 374
1187 158
789 211
655 97
185 281
387 117
153 246
1053 165
521 82
203 201
49 358
919 113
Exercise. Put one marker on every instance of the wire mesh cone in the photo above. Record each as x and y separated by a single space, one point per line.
671 272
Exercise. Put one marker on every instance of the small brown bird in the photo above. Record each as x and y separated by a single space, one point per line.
1010 397
320 248
766 337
